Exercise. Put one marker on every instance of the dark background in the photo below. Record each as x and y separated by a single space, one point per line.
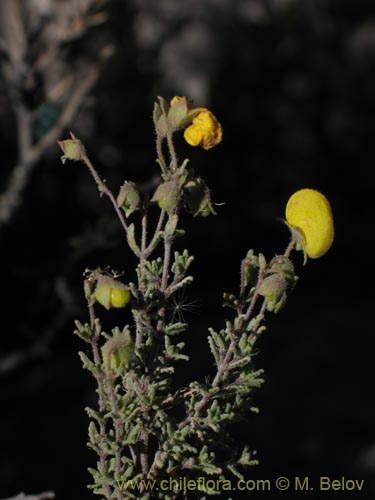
293 84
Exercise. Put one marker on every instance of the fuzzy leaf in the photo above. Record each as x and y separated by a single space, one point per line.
171 225
132 436
175 328
131 239
181 284
214 350
157 112
88 364
83 331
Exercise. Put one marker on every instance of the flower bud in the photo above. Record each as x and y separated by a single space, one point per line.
128 198
177 113
167 195
283 265
310 213
198 198
273 288
118 351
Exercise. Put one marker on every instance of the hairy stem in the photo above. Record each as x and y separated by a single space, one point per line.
103 188
151 246
101 393
161 159
117 423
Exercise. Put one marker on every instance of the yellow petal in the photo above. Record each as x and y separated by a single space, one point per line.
210 128
193 135
309 211
119 297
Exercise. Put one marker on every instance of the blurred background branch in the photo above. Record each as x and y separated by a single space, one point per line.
40 496
40 80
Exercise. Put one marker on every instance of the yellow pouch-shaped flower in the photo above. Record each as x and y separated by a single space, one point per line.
111 293
309 211
205 131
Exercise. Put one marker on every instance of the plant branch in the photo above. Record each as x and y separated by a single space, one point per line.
143 238
151 245
103 188
117 425
222 367
161 159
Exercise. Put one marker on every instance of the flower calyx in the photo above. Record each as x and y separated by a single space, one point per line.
278 282
73 149
118 351
197 198
168 194
128 198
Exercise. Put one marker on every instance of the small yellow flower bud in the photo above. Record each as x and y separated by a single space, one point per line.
205 130
309 211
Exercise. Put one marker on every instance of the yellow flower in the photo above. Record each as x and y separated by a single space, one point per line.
309 211
111 293
205 130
